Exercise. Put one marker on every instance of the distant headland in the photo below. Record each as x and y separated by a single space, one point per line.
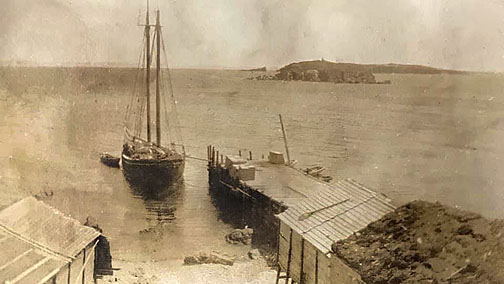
327 71
263 69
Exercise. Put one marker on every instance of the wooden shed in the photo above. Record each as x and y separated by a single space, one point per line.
309 228
39 244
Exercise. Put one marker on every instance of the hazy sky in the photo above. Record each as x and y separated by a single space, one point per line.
461 34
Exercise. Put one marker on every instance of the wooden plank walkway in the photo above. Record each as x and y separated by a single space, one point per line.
283 183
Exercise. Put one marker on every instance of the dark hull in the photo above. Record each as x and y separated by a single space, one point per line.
149 175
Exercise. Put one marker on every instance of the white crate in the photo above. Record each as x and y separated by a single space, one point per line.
234 160
276 157
246 173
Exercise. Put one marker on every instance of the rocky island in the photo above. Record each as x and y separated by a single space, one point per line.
323 71
327 71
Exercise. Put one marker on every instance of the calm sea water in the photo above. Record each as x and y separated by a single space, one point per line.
433 137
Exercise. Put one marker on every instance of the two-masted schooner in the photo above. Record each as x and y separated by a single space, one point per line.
147 165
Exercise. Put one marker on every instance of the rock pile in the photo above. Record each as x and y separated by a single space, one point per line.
240 236
254 254
204 258
44 195
423 242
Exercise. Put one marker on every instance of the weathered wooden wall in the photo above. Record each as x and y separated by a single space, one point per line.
295 267
62 276
89 270
75 268
310 263
342 274
324 263
307 264
283 246
85 257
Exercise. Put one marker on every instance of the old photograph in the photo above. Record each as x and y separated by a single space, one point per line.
261 141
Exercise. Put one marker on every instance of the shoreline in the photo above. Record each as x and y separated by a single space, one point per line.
244 270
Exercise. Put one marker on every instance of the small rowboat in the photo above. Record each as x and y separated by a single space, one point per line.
109 160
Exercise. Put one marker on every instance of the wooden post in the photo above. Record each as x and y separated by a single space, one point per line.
213 155
250 155
217 162
285 140
302 262
278 252
69 272
289 256
316 266
239 153
84 268
222 158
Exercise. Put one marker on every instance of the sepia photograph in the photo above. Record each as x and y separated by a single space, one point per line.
261 141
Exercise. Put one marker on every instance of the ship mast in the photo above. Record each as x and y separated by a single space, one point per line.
147 76
158 70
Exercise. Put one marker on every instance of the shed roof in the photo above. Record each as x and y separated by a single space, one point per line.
33 221
335 213
25 263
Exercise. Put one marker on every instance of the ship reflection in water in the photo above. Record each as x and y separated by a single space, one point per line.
160 202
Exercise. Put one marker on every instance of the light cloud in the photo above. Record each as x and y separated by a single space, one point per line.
462 34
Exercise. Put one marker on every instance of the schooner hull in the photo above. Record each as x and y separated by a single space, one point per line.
150 175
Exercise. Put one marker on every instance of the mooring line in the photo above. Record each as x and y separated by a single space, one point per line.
196 158
237 189
193 185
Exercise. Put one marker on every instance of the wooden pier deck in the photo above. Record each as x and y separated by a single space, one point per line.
282 183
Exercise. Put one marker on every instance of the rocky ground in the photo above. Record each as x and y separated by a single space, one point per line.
425 242
201 267
244 270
